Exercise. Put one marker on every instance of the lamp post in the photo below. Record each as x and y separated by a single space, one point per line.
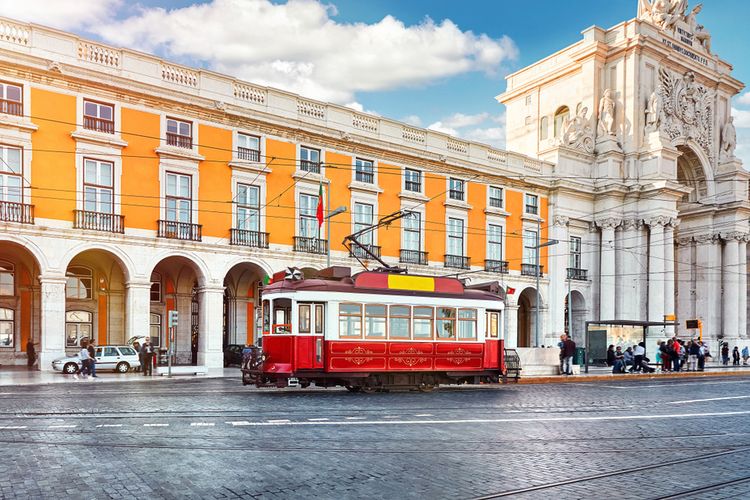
536 248
331 213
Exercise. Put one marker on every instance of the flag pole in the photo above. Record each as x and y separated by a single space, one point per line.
328 226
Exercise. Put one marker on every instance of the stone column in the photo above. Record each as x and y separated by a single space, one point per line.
210 352
686 295
52 320
731 285
511 326
742 296
669 265
630 274
559 261
708 284
656 271
138 309
607 269
592 262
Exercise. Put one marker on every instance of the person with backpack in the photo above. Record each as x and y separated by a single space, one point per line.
745 355
725 353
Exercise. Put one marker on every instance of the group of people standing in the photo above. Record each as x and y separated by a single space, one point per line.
146 353
87 355
633 357
735 355
567 351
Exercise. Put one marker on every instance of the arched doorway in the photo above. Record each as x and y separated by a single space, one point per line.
95 299
526 318
579 316
20 303
243 286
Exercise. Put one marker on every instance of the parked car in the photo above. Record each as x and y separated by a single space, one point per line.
233 355
108 357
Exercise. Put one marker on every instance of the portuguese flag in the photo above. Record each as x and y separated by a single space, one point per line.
319 214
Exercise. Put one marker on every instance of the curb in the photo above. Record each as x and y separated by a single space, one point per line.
562 379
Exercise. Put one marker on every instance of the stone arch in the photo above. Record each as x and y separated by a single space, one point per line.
198 264
123 259
260 263
579 315
242 301
527 305
31 247
561 116
694 170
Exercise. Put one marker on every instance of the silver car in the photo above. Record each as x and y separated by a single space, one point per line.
108 357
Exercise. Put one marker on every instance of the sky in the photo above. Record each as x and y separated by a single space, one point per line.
432 63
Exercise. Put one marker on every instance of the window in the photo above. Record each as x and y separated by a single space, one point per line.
399 322
561 117
445 325
532 204
248 207
412 228
154 329
79 282
467 324
530 242
363 215
455 236
248 147
11 174
128 351
78 325
493 324
413 180
494 242
496 197
98 187
7 279
179 133
11 99
575 252
456 189
422 323
350 320
375 319
364 171
528 100
7 327
544 128
179 199
308 222
319 319
155 287
304 318
99 117
309 160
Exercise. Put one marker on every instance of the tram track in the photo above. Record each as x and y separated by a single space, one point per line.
694 492
620 472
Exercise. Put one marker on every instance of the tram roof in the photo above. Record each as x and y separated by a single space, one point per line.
385 283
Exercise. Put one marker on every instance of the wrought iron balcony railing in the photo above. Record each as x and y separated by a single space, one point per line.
359 252
413 186
413 257
179 230
531 270
11 107
456 194
310 166
577 274
248 154
181 141
16 212
310 245
99 221
99 125
456 261
365 177
248 238
496 266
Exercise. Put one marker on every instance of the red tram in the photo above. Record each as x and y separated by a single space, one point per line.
377 330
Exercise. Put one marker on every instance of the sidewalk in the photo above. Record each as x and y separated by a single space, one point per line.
604 374
20 375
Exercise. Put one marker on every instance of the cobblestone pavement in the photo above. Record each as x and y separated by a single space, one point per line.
214 438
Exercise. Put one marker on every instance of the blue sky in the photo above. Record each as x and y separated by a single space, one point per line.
436 63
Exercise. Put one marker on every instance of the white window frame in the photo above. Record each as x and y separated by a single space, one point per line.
538 204
501 242
374 171
6 172
184 167
236 145
502 199
239 205
322 160
116 112
421 180
98 187
457 216
421 230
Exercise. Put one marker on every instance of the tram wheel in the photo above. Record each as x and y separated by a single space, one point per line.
423 387
353 388
368 389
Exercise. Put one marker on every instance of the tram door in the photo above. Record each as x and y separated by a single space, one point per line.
312 328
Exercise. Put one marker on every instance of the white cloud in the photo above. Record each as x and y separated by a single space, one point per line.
413 120
741 118
494 136
467 127
443 128
63 14
356 106
460 120
299 46
744 98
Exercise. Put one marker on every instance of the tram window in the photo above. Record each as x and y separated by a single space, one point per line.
319 318
399 322
446 323
375 321
266 316
467 323
493 324
304 318
422 323
350 320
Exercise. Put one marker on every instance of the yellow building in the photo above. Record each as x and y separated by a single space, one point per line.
131 186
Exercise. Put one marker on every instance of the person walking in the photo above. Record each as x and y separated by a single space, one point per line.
31 354
745 355
725 353
694 351
568 351
83 355
137 347
666 352
638 354
92 357
736 356
147 350
676 354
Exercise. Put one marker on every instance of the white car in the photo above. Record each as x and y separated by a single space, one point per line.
120 358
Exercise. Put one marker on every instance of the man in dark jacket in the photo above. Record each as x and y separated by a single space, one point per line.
92 357
30 354
147 350
568 351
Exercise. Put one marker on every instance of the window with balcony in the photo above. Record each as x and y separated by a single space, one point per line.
12 208
99 116
178 209
532 204
496 197
309 160
530 242
248 147
179 133
308 239
456 189
98 198
411 239
7 279
247 230
412 180
364 218
494 261
575 271
11 99
455 256
364 171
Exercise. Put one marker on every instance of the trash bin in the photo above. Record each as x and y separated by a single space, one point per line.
579 356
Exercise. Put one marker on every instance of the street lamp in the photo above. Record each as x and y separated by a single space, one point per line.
536 249
331 213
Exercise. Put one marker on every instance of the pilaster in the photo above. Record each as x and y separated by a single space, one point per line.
52 320
731 285
607 268
742 295
656 270
557 276
669 272
210 338
137 308
708 283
